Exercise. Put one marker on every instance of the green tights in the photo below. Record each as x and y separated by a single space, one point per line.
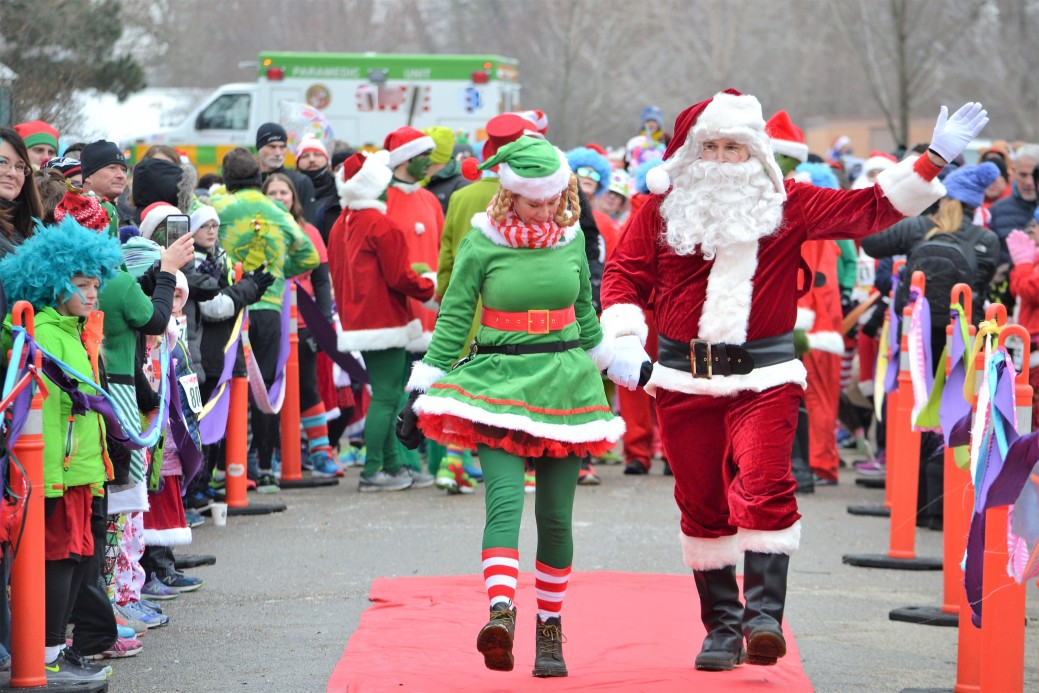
387 372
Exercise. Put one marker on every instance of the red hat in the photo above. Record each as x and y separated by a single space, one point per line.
406 143
37 132
309 143
787 138
85 208
505 128
539 119
363 178
595 147
727 114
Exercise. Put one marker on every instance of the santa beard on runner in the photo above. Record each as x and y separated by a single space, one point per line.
712 205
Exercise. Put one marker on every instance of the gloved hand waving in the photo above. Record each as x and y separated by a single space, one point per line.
953 133
1021 246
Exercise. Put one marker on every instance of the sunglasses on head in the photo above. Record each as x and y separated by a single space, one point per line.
588 172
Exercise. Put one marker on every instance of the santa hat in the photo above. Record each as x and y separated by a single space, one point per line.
539 119
729 114
309 143
363 178
529 167
85 208
787 138
37 132
153 215
406 143
505 128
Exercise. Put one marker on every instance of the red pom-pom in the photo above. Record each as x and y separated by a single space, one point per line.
471 169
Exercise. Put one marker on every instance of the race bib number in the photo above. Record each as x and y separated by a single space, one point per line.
194 397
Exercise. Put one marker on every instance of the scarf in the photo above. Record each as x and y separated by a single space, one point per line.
519 234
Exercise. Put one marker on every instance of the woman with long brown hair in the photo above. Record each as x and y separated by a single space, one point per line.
20 204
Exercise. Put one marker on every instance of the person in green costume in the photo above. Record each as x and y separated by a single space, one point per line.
530 388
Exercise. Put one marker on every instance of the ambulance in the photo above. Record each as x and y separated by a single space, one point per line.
363 96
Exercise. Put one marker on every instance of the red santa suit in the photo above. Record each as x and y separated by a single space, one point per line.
729 437
819 313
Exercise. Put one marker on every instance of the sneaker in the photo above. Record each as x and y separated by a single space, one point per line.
872 467
418 479
194 519
667 469
154 606
348 456
250 484
124 631
197 501
145 615
587 475
69 667
819 481
267 483
609 457
470 468
123 647
306 462
454 479
182 583
322 465
123 618
217 489
636 468
530 481
156 590
381 481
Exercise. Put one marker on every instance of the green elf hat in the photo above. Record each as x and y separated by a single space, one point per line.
530 167
37 132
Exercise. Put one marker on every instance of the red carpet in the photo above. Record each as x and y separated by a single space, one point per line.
625 632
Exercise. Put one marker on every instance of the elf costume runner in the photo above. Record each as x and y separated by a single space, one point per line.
373 280
531 386
719 249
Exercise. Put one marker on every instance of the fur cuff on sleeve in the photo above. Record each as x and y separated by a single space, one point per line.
805 319
423 376
830 342
623 319
602 354
908 191
432 304
776 541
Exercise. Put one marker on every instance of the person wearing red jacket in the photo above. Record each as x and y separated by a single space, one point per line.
373 280
1024 286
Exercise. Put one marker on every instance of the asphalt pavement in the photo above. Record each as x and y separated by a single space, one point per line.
288 589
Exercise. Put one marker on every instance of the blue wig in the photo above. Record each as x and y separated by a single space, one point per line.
41 269
582 156
640 174
822 175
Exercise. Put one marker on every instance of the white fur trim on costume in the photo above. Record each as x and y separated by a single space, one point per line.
431 303
831 342
906 190
368 183
409 150
422 376
420 344
379 338
805 319
658 180
602 354
481 221
622 319
333 414
798 150
757 380
785 541
378 205
536 188
726 309
611 430
709 554
174 536
407 188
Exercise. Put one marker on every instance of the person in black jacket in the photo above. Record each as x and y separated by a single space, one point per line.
271 146
313 162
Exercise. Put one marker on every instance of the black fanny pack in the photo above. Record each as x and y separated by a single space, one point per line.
705 360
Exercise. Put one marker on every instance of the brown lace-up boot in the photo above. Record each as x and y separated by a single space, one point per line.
549 658
495 638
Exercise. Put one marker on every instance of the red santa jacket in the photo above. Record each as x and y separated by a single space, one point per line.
742 296
372 279
819 311
418 214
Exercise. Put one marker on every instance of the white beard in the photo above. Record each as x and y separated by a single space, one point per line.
712 205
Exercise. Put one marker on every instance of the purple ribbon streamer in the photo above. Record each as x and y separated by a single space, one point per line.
213 427
954 412
894 339
325 336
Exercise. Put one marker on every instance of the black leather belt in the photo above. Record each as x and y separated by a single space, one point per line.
520 349
705 360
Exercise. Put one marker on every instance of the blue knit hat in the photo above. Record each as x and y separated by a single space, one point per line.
968 183
651 113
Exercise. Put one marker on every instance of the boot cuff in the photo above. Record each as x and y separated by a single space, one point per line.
709 554
771 541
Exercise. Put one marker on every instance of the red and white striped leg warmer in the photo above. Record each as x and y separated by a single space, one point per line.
500 574
550 585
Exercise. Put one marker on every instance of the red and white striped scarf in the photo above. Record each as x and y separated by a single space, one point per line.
519 234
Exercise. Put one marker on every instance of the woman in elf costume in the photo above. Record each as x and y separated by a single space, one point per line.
530 387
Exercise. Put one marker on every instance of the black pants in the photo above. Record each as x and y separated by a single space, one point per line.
160 561
265 337
308 392
92 616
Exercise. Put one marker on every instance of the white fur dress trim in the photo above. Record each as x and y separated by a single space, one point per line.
379 338
757 380
726 310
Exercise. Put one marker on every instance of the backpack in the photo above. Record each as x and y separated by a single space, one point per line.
946 259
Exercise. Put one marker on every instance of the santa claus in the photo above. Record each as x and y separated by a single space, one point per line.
718 248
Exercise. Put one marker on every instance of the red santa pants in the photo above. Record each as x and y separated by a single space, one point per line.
822 398
731 459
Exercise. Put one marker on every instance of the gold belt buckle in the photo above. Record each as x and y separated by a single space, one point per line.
704 357
534 314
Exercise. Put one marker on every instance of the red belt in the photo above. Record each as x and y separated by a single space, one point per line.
530 321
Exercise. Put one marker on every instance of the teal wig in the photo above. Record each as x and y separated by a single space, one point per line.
583 156
822 175
41 269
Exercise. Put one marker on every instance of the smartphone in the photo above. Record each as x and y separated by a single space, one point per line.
177 225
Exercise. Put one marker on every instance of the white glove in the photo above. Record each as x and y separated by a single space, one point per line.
628 357
952 135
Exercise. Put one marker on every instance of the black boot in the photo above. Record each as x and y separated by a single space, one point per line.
549 658
799 456
764 591
722 613
495 638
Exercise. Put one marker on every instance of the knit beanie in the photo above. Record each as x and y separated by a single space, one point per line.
967 183
37 132
96 155
309 143
85 208
270 132
65 165
445 143
202 215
